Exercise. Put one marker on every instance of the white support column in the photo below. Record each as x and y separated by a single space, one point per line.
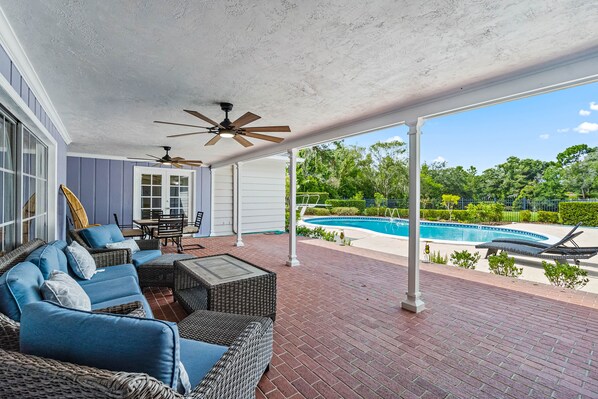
413 302
293 261
212 200
239 242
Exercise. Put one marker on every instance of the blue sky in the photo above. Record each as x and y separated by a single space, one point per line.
537 127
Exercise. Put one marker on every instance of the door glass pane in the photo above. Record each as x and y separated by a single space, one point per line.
146 179
174 180
31 151
146 191
156 179
157 191
9 197
2 143
184 181
156 203
10 134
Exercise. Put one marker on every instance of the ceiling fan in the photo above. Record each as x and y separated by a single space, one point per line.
167 160
234 130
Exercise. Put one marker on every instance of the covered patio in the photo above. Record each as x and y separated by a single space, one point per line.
340 331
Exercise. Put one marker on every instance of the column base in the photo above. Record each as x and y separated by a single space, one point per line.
239 244
292 262
413 304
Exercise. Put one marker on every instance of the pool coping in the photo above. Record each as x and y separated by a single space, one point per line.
549 240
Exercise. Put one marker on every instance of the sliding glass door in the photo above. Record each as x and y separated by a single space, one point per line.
23 185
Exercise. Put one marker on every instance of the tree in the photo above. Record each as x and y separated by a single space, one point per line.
574 154
388 171
449 201
582 176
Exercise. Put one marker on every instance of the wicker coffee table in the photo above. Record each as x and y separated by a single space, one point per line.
160 271
224 283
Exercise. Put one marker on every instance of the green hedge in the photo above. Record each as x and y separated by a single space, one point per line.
345 211
575 212
317 211
525 216
548 217
373 211
335 203
312 200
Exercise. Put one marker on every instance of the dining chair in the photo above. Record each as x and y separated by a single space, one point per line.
129 230
170 227
194 228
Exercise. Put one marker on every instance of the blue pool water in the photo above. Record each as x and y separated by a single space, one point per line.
428 230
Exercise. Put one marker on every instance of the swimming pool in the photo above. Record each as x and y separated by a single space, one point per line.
466 233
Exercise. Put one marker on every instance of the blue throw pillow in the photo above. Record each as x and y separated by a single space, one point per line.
80 261
99 236
48 258
19 286
106 341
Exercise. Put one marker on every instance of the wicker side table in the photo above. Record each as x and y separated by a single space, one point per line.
224 283
159 272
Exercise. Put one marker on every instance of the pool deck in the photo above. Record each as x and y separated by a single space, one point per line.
532 268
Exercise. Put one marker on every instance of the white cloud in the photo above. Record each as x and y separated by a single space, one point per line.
393 139
565 130
593 106
439 159
544 136
587 127
584 112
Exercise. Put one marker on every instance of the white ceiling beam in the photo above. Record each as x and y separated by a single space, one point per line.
556 75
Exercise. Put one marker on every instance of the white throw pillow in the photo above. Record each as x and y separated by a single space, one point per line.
80 261
126 244
64 290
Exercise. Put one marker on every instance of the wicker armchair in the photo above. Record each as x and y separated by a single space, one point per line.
234 376
143 245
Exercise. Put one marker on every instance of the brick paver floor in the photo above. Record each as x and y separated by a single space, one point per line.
340 331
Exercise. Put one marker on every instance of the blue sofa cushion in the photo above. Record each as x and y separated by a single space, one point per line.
141 257
19 286
110 273
48 258
103 291
60 245
80 261
99 236
106 341
198 358
127 299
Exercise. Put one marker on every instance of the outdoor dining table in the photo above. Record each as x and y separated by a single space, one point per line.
147 225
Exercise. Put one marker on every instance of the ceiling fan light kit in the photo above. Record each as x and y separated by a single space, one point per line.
228 129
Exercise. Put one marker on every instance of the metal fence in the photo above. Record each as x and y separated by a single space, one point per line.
512 207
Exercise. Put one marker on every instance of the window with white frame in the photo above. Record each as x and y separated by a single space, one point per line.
23 184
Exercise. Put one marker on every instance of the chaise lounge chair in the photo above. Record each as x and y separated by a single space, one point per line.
557 251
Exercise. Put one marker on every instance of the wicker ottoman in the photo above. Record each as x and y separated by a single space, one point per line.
224 283
159 272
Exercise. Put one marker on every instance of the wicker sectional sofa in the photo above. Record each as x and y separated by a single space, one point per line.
245 344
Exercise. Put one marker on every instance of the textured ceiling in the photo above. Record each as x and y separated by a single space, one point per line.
112 67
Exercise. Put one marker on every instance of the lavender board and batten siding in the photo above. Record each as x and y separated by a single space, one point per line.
105 187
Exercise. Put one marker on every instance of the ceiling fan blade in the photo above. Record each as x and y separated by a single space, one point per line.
264 137
192 160
180 124
248 117
176 165
156 164
186 134
271 129
213 140
177 159
153 156
203 118
239 139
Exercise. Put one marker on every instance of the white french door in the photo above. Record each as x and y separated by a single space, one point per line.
169 190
